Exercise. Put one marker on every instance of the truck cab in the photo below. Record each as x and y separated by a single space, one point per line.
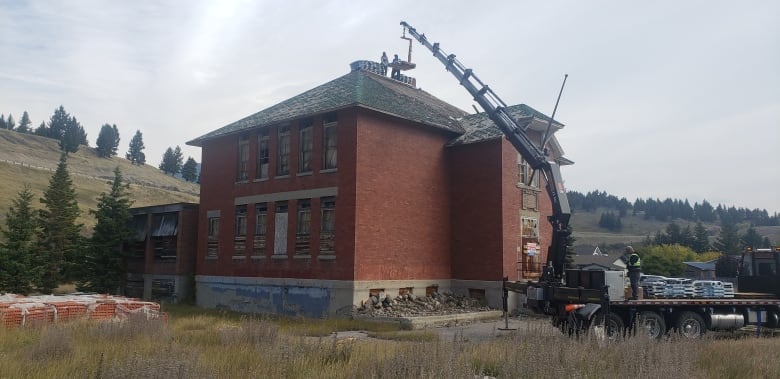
758 271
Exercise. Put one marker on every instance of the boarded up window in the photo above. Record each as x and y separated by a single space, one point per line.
212 249
261 220
328 226
280 229
303 228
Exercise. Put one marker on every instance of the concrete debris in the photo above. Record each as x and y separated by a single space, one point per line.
409 305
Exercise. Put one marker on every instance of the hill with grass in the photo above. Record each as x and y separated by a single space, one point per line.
636 228
30 159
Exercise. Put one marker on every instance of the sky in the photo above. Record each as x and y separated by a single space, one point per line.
664 99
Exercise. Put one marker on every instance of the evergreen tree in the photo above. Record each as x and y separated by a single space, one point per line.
2 121
10 124
58 122
172 161
727 266
42 130
766 243
104 268
751 238
189 171
106 142
728 239
701 239
24 124
58 236
135 152
17 271
570 253
73 136
116 139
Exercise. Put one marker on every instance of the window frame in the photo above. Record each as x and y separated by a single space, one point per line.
305 146
242 169
330 142
263 155
241 220
283 151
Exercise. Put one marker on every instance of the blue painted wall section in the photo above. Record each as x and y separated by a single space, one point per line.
292 301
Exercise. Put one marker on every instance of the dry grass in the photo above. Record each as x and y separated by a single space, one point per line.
228 345
36 158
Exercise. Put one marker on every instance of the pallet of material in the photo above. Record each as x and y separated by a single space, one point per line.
17 311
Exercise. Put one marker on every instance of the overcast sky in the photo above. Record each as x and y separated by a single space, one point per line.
675 99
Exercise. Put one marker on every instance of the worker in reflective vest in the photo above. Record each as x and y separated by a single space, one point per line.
634 270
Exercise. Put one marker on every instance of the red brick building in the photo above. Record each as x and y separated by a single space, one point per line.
363 184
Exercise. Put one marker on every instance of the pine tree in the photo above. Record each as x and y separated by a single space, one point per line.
106 142
2 121
58 122
728 239
751 238
116 140
73 136
171 161
10 124
58 236
16 269
189 171
24 124
104 268
135 152
42 130
701 239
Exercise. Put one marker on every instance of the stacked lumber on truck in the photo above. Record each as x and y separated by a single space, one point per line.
17 310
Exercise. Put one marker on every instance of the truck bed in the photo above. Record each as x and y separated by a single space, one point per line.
702 302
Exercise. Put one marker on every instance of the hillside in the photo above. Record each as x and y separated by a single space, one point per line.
636 228
32 159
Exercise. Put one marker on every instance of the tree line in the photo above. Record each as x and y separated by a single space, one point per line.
671 209
41 248
66 129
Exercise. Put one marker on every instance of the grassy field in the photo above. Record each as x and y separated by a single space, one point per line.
197 343
28 159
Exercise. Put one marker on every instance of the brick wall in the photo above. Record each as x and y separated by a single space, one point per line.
402 202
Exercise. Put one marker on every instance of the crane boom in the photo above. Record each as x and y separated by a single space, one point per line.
515 132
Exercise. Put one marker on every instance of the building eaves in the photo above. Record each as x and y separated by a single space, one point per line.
359 89
479 127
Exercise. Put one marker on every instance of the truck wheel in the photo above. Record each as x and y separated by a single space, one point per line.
614 327
691 325
651 324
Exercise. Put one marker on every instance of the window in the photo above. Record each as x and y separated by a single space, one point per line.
261 219
240 220
530 227
306 147
303 229
329 141
263 155
283 163
243 158
304 217
280 229
261 223
212 248
525 172
328 226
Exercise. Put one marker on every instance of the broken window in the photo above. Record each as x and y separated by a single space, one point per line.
243 158
306 147
329 141
213 238
263 156
261 220
328 226
283 146
303 229
525 172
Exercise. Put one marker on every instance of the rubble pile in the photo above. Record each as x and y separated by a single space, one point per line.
409 305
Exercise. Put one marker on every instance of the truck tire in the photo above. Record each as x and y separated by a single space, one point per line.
650 324
690 325
613 328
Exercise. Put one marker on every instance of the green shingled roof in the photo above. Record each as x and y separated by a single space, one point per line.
479 127
357 88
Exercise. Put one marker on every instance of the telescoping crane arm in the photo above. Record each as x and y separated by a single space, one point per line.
515 133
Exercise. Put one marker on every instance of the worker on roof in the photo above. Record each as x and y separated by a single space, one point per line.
383 63
396 73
